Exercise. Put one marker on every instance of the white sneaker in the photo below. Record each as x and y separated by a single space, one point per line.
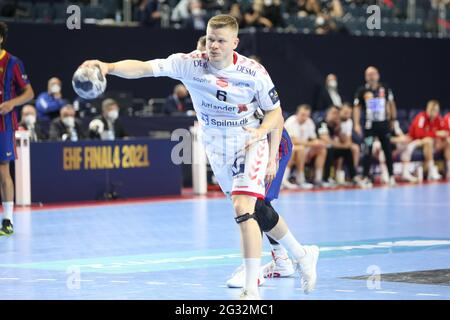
408 177
281 266
392 182
433 174
247 295
287 185
385 178
364 183
306 185
238 278
308 265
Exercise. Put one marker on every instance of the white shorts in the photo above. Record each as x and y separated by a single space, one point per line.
239 171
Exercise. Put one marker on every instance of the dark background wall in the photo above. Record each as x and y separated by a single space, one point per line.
416 69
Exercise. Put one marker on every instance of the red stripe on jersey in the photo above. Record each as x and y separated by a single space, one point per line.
235 57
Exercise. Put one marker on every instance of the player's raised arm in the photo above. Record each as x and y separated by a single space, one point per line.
129 69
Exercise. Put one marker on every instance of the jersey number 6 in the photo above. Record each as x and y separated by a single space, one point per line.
221 95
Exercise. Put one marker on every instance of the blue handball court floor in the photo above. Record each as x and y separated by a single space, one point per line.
382 243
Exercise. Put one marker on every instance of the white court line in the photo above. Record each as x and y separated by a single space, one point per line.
386 292
156 283
44 280
377 204
9 278
192 284
428 294
223 286
344 290
119 281
81 280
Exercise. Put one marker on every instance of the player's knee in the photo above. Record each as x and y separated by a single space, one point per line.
266 216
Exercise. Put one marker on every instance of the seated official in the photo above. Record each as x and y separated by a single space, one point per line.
108 125
28 123
50 102
66 127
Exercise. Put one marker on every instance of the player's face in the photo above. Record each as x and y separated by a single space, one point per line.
433 110
372 76
303 115
220 44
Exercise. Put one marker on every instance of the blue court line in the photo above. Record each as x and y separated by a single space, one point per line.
202 259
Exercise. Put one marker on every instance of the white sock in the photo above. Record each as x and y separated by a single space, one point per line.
318 175
292 245
278 250
300 177
430 165
252 269
405 169
8 207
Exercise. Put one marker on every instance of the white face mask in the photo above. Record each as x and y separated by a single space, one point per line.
55 88
29 119
69 122
332 84
113 114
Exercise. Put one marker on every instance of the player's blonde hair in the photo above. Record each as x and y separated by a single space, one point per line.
224 21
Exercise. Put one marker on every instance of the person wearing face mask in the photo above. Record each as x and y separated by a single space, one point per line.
50 102
66 127
197 16
28 122
329 94
107 126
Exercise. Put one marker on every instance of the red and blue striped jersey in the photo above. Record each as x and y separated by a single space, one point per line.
13 80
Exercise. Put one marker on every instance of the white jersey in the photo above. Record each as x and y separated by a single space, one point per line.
303 132
347 127
223 99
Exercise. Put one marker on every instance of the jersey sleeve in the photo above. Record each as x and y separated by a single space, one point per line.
20 76
266 94
175 66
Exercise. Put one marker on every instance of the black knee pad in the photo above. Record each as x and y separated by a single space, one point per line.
266 215
245 217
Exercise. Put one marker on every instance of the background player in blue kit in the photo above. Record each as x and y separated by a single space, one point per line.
15 90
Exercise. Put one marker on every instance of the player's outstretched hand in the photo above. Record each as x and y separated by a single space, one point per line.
96 63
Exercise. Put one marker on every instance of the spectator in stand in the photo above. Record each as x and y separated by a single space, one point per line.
197 16
334 9
179 101
28 122
303 8
428 127
272 11
147 13
66 127
50 102
107 126
236 12
324 24
254 17
306 147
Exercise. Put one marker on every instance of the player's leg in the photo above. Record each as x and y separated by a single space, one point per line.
305 256
319 154
384 136
300 161
251 241
287 173
369 140
8 153
430 146
406 148
447 156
